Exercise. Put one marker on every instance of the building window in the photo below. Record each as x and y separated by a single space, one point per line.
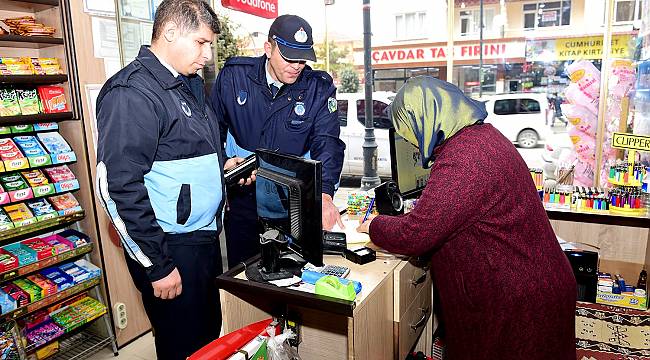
410 25
547 14
470 21
627 10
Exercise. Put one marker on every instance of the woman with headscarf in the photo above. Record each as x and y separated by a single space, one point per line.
504 286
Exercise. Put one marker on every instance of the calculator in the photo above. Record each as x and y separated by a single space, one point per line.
335 270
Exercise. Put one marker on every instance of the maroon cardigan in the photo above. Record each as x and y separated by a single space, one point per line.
505 288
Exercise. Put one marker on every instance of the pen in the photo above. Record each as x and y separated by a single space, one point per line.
369 210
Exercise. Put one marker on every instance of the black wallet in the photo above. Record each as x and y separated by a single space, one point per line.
242 171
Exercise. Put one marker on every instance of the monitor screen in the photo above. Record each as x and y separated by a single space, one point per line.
406 166
288 191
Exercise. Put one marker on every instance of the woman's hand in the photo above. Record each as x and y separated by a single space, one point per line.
364 226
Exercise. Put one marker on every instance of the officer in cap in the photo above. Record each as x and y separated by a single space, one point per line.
277 102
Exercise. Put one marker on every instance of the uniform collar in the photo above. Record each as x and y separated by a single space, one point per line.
269 79
165 64
161 73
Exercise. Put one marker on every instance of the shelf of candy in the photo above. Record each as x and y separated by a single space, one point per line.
34 254
26 26
32 101
29 66
34 292
45 326
28 184
28 151
28 128
612 290
11 347
37 210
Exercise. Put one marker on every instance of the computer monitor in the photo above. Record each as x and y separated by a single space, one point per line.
406 166
288 191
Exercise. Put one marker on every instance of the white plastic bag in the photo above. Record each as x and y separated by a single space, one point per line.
278 346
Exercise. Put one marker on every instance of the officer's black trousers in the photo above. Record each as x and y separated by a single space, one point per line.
241 225
186 323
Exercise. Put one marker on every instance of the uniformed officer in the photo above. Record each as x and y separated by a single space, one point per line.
277 102
159 177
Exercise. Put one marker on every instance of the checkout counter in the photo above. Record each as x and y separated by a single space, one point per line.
390 316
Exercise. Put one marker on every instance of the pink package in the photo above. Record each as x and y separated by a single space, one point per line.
584 174
586 76
621 78
577 97
584 145
583 119
58 242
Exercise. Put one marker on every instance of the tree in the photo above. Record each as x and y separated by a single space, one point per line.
349 80
227 44
338 58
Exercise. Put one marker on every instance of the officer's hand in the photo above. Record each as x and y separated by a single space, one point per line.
331 214
232 162
168 287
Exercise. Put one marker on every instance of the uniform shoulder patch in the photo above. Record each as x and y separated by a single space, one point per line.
332 106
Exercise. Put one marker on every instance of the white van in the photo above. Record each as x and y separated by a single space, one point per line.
352 121
521 117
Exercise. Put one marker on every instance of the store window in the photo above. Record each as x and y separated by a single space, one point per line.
547 14
410 25
342 106
380 117
470 22
627 10
393 79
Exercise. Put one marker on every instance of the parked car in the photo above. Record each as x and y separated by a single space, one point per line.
520 117
352 117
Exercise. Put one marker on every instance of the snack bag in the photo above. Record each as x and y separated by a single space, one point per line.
587 77
28 101
9 103
621 78
581 118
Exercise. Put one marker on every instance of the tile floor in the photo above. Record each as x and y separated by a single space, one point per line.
141 349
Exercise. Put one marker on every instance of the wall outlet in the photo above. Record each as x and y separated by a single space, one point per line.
120 316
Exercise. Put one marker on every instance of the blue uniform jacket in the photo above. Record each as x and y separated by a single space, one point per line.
301 120
158 159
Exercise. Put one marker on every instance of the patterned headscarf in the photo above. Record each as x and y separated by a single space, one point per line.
428 111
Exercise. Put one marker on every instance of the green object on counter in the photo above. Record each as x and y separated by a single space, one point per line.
332 287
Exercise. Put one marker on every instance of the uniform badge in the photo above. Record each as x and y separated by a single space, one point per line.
242 97
186 108
299 109
332 105
300 36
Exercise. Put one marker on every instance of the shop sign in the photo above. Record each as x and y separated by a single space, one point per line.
586 47
262 8
549 16
631 142
439 53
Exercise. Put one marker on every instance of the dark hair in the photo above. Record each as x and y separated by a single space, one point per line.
187 14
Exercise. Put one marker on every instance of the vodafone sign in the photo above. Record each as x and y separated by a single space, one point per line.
263 8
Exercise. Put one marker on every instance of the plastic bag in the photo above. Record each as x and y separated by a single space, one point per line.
278 346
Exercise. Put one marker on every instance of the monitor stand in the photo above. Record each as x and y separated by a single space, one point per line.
277 261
